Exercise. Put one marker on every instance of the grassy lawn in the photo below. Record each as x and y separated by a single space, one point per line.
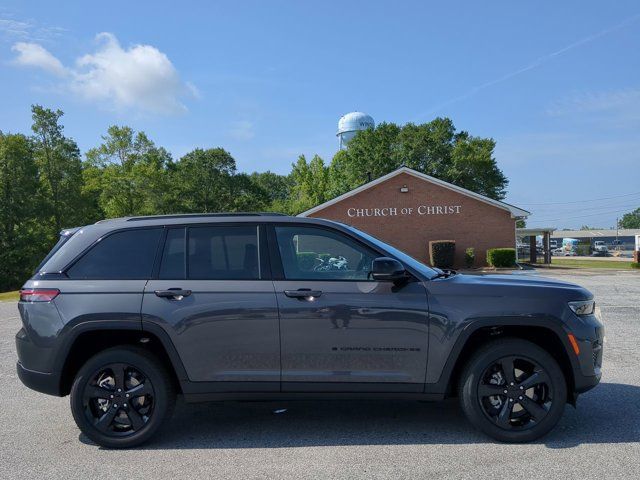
9 296
569 262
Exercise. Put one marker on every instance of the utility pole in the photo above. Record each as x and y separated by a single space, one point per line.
617 226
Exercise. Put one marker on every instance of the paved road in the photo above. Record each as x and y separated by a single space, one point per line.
599 439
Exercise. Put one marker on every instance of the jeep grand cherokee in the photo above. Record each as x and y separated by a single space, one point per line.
125 314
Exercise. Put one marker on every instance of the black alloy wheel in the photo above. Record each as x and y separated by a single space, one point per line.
122 396
118 400
515 393
513 390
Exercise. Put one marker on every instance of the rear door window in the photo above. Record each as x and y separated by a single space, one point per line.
173 264
223 252
126 255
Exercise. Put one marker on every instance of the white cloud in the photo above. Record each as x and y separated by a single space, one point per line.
12 29
34 55
613 111
596 102
139 77
242 130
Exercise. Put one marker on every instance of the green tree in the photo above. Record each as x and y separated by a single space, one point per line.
19 204
631 219
203 181
310 184
60 171
247 195
127 174
277 187
434 148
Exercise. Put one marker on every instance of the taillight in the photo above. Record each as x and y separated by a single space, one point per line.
38 294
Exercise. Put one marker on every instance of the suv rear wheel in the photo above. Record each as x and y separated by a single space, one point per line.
513 390
121 397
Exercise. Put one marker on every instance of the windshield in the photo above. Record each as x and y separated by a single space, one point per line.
407 260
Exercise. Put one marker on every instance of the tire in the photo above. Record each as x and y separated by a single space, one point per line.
131 415
504 411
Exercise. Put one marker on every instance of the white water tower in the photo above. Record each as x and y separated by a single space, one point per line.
349 124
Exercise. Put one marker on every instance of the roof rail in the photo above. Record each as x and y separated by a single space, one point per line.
197 215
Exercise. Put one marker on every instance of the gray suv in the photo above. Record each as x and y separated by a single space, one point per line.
125 314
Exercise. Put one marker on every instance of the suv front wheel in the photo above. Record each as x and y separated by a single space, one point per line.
513 390
121 397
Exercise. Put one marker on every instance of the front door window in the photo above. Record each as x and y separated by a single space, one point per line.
310 253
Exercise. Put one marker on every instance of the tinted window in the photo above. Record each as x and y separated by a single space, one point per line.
61 241
173 256
121 255
310 253
224 253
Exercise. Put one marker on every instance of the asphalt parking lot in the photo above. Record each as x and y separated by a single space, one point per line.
599 439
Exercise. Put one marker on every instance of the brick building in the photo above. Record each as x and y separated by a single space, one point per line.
407 209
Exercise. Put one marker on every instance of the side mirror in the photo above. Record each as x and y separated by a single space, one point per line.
387 269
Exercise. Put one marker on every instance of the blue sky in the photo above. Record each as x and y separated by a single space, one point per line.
556 84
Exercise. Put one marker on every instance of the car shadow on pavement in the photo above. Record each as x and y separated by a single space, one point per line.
608 414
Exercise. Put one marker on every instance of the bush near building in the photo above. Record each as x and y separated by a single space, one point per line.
501 257
583 250
442 253
469 257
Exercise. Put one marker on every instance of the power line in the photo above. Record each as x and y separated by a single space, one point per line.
570 211
580 201
576 216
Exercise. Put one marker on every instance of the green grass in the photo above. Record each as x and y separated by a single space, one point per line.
9 296
570 262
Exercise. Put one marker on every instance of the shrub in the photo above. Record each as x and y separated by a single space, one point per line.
635 265
442 253
469 257
583 250
501 257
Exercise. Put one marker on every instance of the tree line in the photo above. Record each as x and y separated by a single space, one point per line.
46 184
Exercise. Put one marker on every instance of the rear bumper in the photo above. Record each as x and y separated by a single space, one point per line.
48 383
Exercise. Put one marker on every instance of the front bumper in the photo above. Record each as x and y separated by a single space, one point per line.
591 341
48 383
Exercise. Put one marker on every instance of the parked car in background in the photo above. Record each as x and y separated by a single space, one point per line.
600 246
563 252
125 314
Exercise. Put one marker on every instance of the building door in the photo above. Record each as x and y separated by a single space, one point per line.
339 329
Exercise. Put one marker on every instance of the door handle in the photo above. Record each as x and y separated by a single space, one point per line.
173 293
303 293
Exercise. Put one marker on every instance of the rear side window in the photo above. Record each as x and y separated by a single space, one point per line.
61 241
127 255
223 253
173 263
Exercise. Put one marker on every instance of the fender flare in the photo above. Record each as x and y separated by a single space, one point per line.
74 332
552 324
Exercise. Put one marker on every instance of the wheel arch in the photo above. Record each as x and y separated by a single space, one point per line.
93 337
551 338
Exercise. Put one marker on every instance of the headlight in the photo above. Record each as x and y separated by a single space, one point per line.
584 307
